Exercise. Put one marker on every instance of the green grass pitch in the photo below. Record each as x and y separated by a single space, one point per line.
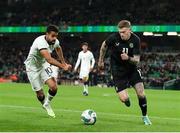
20 111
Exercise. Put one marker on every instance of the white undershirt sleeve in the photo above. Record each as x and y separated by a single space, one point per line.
78 62
92 61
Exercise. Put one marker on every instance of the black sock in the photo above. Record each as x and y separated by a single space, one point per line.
52 92
41 98
127 103
86 83
143 105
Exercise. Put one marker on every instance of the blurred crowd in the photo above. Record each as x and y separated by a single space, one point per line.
159 68
11 64
88 12
156 68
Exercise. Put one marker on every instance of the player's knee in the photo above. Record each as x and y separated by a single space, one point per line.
53 89
123 98
140 89
141 93
53 86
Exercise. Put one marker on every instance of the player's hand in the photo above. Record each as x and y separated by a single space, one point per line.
65 63
67 67
124 56
101 64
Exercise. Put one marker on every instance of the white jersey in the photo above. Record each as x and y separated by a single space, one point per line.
87 61
35 60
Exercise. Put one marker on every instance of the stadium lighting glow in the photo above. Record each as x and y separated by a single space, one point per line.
172 33
147 33
98 28
158 34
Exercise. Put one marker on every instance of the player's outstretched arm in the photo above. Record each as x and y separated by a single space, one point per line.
92 62
77 63
59 52
52 61
103 50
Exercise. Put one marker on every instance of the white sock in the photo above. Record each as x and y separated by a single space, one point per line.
87 88
48 98
84 86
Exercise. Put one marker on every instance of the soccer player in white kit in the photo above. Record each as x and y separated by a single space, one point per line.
87 61
38 66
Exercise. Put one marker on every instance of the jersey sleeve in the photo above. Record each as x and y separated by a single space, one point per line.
57 44
92 60
137 48
40 44
78 62
109 41
91 56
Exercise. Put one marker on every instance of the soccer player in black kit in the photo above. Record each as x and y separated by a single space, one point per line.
124 48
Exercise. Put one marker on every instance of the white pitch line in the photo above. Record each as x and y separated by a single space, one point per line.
102 113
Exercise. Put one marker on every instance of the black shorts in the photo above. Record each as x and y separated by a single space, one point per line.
125 79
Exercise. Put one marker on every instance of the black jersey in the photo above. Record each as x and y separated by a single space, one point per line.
117 46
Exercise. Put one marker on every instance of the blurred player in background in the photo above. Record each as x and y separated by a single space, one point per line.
38 66
87 61
124 48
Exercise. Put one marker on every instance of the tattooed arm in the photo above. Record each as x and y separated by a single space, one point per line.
102 54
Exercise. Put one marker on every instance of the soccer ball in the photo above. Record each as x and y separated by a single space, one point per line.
88 117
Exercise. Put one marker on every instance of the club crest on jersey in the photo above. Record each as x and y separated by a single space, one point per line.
117 43
131 45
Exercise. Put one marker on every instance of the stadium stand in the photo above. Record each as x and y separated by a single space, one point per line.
80 12
156 68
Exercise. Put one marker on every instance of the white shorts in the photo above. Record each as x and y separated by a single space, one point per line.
84 75
37 79
55 71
